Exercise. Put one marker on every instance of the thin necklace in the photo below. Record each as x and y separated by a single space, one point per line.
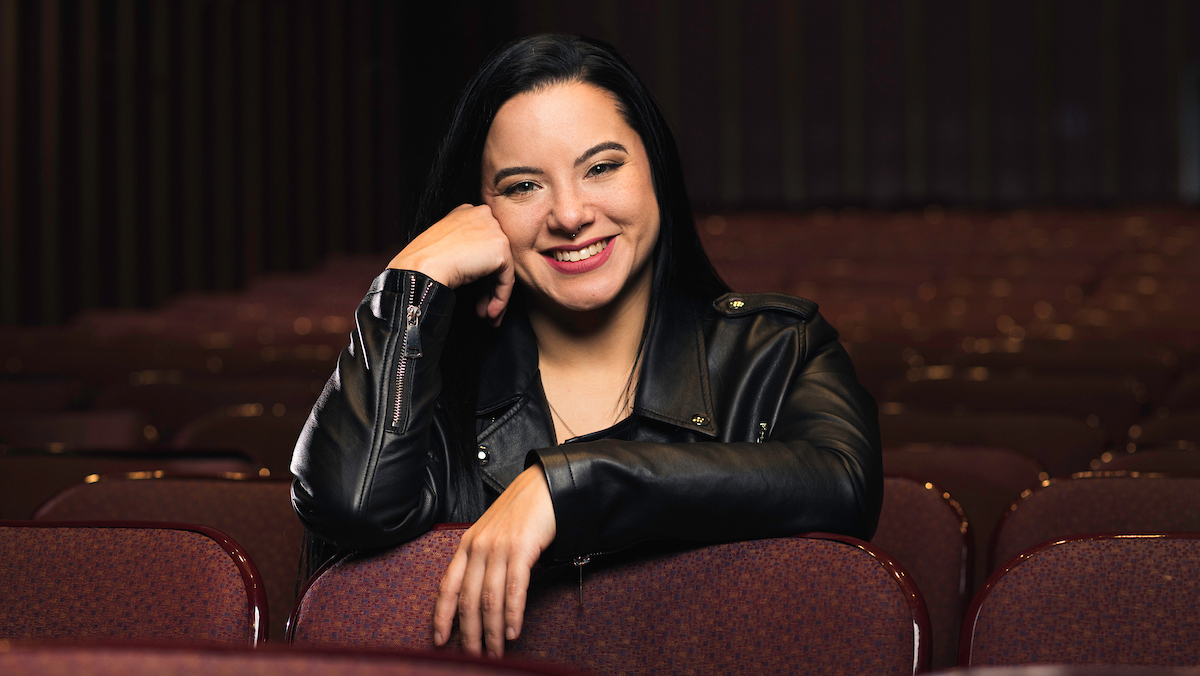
623 401
560 419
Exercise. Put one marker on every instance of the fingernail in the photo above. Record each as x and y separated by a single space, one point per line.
492 654
510 633
437 638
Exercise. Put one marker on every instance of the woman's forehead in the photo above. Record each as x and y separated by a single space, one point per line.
562 118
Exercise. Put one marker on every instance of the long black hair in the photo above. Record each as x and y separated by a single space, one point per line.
681 268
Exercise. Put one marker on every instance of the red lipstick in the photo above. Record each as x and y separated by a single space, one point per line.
580 267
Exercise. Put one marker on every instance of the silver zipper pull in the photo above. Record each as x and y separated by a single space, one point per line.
762 432
580 562
413 332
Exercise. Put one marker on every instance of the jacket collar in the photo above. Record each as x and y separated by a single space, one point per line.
674 387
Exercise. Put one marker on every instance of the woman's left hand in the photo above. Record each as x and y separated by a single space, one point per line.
487 580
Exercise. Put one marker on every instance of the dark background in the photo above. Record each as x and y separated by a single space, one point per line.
151 147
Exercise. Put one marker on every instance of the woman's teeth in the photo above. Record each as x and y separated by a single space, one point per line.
581 254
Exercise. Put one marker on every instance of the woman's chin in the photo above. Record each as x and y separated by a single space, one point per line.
592 292
577 304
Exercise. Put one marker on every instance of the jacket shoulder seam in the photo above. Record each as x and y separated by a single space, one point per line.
736 304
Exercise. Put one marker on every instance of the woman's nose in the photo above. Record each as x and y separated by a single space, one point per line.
571 212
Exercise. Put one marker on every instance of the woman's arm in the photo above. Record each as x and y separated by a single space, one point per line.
370 462
820 469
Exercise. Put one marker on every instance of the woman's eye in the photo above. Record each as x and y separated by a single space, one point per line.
520 187
604 168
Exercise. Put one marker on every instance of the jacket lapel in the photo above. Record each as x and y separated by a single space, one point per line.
674 388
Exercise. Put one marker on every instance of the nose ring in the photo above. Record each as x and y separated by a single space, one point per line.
574 234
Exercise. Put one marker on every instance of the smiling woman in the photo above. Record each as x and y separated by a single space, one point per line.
553 358
560 163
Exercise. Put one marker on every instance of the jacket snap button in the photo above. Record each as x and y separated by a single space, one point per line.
736 304
699 420
483 456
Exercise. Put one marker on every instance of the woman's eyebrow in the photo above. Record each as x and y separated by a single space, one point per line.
513 171
607 145
599 147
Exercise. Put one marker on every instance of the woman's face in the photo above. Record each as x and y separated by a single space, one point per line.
562 160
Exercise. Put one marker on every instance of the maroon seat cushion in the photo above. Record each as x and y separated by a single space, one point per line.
1099 600
1098 503
927 534
984 482
120 660
151 584
749 607
256 513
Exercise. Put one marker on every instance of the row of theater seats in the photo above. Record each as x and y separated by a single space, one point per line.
1001 347
1006 350
922 528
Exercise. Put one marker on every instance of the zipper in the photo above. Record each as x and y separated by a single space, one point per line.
762 432
410 340
580 562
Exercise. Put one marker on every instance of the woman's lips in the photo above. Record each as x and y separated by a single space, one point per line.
580 254
586 258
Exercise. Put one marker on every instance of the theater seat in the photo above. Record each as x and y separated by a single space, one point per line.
983 481
927 533
30 477
1102 599
256 513
127 580
102 660
829 603
1181 459
1098 502
1059 444
268 436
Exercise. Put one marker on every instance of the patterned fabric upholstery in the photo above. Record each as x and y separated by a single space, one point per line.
749 607
984 481
80 583
927 534
1099 504
1073 670
1100 600
257 514
142 661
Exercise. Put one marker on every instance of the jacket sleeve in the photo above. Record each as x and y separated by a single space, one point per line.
819 470
370 465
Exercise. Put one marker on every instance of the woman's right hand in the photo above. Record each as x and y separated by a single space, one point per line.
465 246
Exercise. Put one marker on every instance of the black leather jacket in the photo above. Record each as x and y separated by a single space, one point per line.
748 422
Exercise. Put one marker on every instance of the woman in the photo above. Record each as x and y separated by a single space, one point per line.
553 358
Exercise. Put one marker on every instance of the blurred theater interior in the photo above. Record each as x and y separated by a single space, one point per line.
993 201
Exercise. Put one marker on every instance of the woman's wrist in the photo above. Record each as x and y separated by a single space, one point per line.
406 261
